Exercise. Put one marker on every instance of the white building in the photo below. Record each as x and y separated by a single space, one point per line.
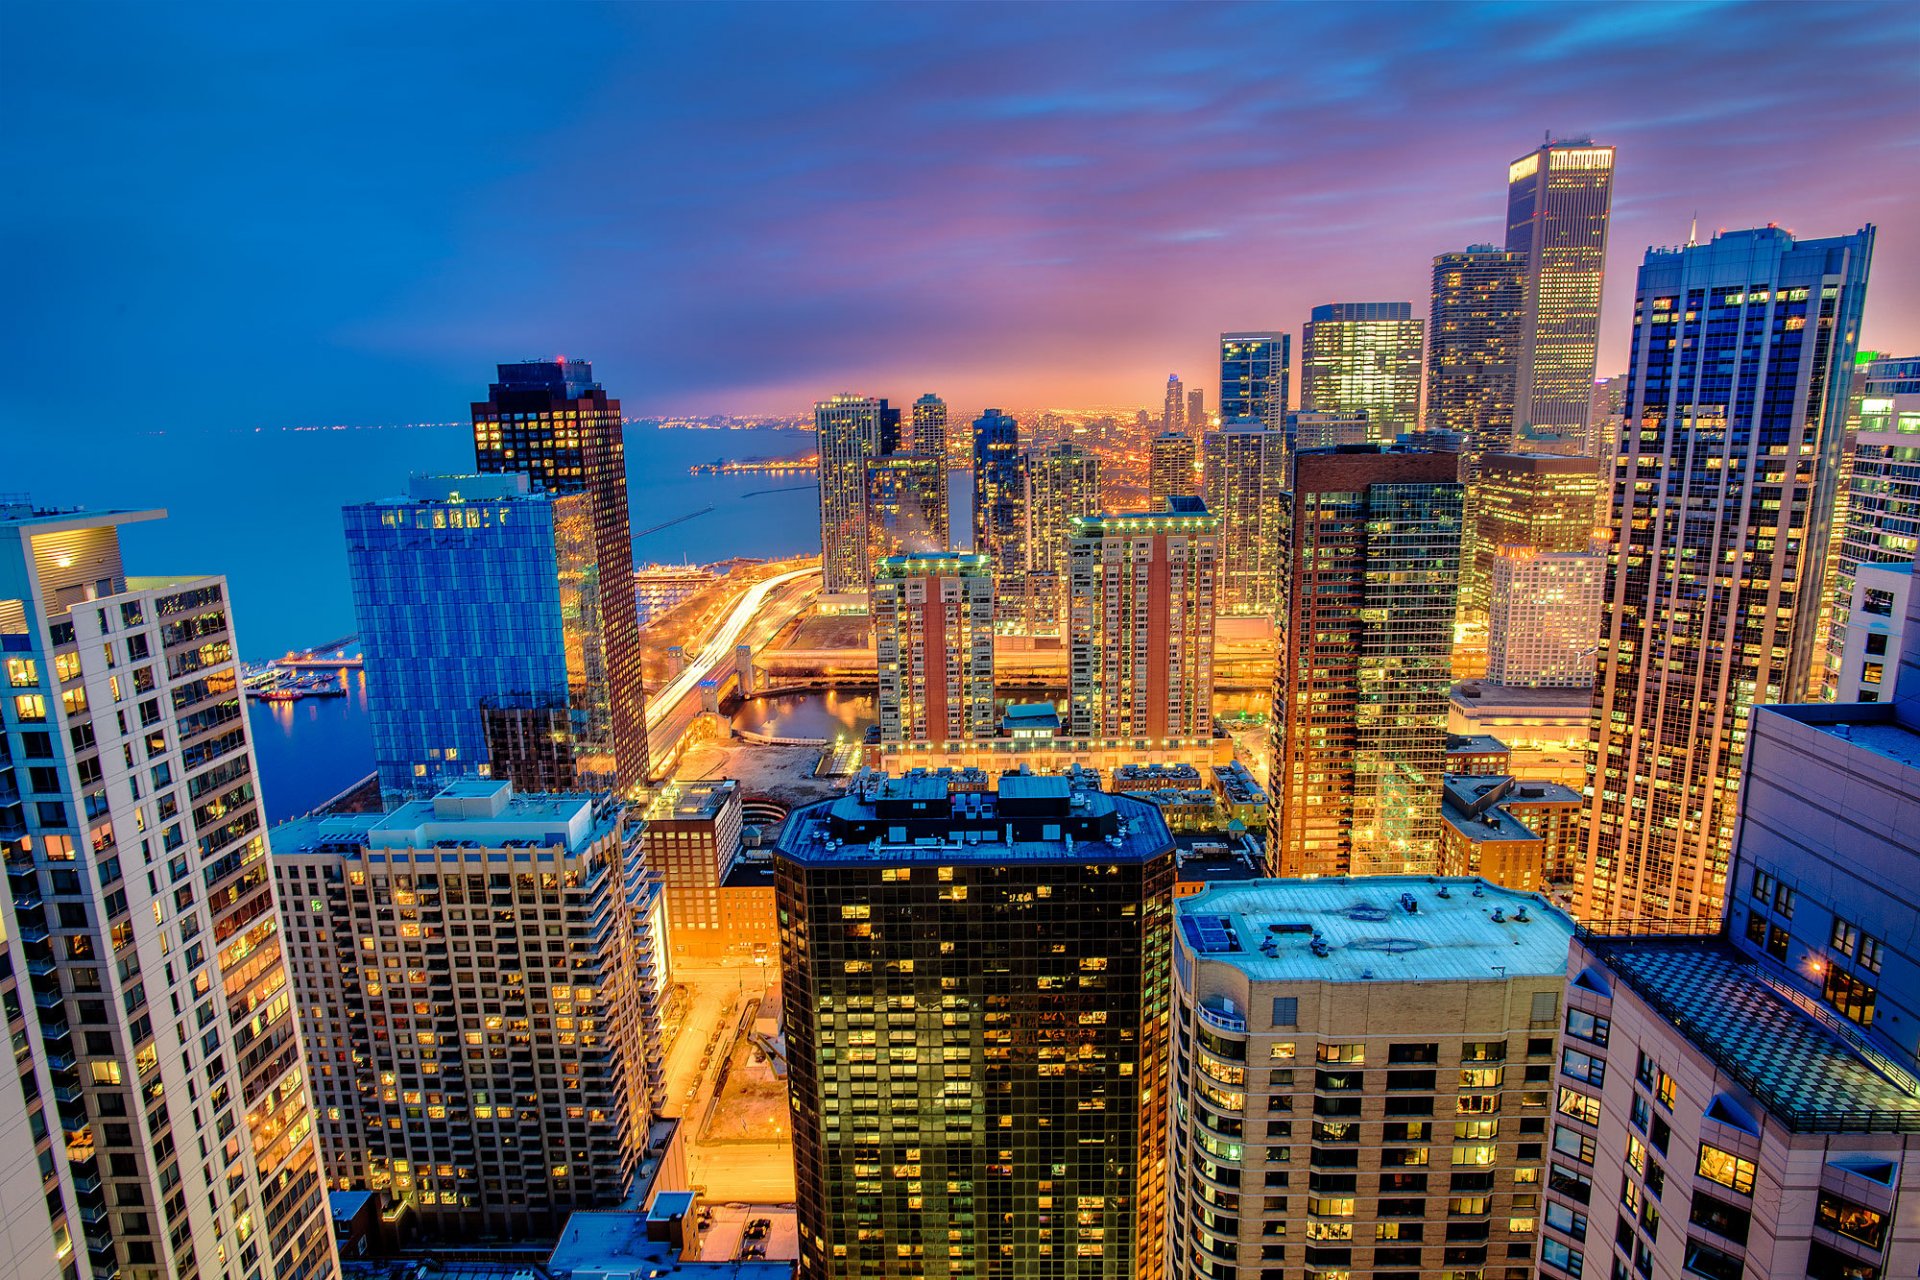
1543 628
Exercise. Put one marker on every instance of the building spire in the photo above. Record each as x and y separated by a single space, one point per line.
1693 230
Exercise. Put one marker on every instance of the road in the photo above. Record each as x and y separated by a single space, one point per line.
755 1172
672 707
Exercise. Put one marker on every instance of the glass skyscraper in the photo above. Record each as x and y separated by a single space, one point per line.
851 430
930 428
1062 483
1723 500
1246 486
1253 376
1473 346
999 531
1364 356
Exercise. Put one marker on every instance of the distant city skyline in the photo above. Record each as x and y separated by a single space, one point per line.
1050 211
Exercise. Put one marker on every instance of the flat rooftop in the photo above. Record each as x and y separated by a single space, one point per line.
1030 819
1810 1079
614 1243
1491 824
693 800
1871 726
1266 929
1499 699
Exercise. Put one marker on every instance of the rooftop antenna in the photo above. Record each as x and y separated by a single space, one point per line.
1693 232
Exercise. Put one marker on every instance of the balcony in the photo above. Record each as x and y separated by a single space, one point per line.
1218 1012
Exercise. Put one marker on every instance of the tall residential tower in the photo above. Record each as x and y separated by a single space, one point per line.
1364 356
933 638
1253 376
851 431
1473 346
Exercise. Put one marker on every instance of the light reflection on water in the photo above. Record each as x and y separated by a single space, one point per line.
829 714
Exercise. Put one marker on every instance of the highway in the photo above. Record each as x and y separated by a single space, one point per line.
671 708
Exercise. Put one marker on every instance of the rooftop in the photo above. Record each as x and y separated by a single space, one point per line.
1269 928
615 1244
1485 696
1476 743
472 813
1869 726
1801 1071
689 801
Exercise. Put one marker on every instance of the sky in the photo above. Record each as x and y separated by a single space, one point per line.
266 215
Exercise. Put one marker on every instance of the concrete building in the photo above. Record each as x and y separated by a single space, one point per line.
933 635
1473 346
1543 627
1170 468
1364 665
660 587
1712 600
1174 416
1254 376
1361 1077
1881 524
1140 623
691 839
906 507
1868 669
1542 501
160 1113
976 993
1062 484
549 420
1547 731
1245 483
1521 835
527 696
1559 200
930 428
1197 410
477 974
850 431
1326 430
1357 356
999 500
1479 754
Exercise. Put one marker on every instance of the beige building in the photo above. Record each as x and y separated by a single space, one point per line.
168 1126
1519 834
1362 1078
476 973
1546 731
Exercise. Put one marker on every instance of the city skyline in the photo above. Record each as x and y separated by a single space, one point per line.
1112 184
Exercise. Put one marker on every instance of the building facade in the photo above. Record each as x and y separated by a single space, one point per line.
1254 376
1142 590
1545 502
1876 628
1062 483
553 423
999 499
691 839
1559 200
1881 521
1245 483
850 430
160 1093
476 971
1170 468
1521 835
1473 346
930 427
906 507
933 621
1543 631
977 1004
444 693
1358 356
1723 499
1360 1078
1364 663
1173 416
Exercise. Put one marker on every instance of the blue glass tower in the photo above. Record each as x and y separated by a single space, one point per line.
999 494
477 609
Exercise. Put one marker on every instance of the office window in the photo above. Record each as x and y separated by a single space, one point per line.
1726 1169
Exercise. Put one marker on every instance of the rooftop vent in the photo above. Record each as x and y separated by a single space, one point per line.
1521 916
1445 892
1320 948
1499 916
1409 904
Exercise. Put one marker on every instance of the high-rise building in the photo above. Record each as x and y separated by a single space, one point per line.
551 421
1364 664
930 427
1170 469
1360 1077
933 621
490 1061
1246 486
1542 501
999 526
1559 197
1882 516
1740 353
1364 356
168 1122
1062 482
1876 628
1197 410
1315 430
1473 346
851 430
1543 629
906 506
1253 376
976 987
524 694
691 839
1763 1074
1140 622
1174 416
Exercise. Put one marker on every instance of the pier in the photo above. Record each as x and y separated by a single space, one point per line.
756 467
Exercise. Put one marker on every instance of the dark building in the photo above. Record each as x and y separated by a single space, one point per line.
999 499
549 420
977 988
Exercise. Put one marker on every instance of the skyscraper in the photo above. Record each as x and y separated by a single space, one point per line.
906 506
851 430
1364 355
1542 502
1882 518
1140 622
1197 410
1543 626
168 1127
1358 1062
550 420
1741 349
1170 473
1062 482
999 526
933 636
497 1091
1364 666
478 605
1558 200
1253 376
1473 346
930 427
1174 416
1246 486
976 989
